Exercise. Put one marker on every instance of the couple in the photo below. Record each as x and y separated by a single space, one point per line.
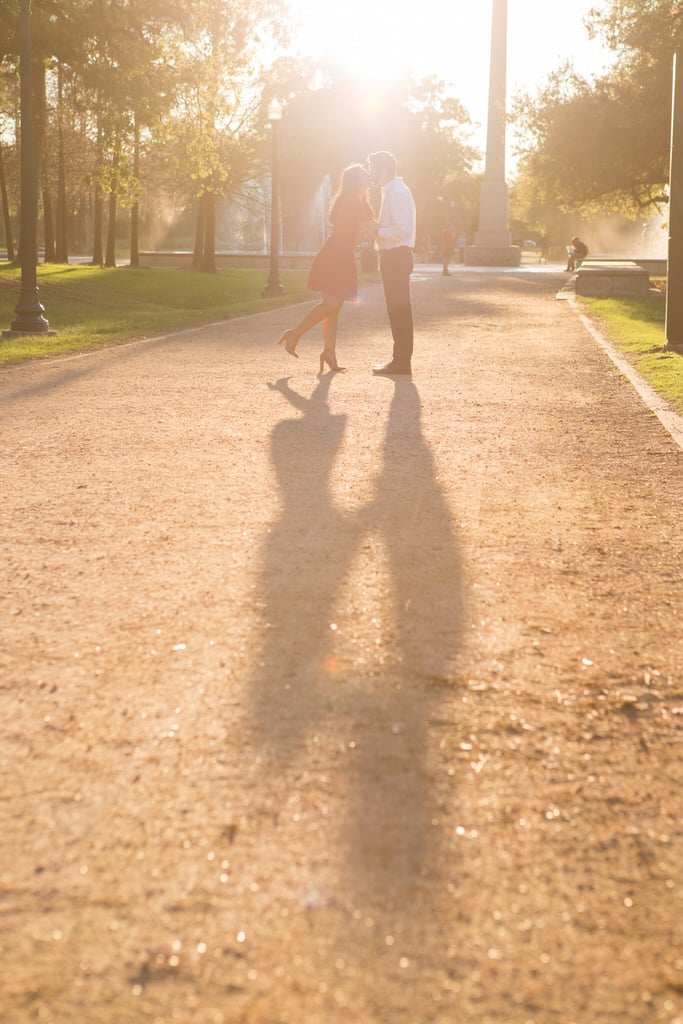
333 271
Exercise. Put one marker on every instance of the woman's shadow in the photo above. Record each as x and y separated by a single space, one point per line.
304 559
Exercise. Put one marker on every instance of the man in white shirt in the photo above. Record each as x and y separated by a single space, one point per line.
395 241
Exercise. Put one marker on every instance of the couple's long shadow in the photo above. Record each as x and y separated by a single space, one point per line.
306 559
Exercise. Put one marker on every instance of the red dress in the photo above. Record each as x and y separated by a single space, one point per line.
333 270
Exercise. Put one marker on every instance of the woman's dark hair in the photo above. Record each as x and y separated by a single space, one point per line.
351 177
349 181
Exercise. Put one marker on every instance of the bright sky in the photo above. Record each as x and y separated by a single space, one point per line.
450 38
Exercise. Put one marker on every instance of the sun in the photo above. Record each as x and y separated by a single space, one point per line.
383 41
379 40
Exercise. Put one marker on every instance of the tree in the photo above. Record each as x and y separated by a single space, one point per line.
212 134
604 144
124 73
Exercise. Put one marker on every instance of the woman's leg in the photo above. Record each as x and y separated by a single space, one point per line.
329 352
329 305
330 332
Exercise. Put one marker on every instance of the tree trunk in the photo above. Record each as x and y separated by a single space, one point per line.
41 152
97 257
134 236
61 246
110 258
208 263
5 211
135 211
199 234
17 135
48 221
97 250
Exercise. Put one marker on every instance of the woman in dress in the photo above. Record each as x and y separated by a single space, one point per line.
333 271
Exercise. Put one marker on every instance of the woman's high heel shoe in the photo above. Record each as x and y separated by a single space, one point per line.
331 362
289 345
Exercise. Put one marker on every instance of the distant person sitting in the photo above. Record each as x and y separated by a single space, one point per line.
576 253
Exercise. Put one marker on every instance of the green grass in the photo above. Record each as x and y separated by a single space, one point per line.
90 307
636 328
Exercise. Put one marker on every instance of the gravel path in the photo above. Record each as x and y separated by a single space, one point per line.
342 699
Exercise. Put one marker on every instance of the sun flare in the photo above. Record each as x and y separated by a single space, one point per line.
382 41
449 39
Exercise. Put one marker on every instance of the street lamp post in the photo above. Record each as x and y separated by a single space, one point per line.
274 285
29 311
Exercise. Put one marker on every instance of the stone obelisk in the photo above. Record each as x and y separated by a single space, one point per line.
492 246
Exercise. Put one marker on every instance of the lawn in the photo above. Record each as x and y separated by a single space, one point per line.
91 306
636 328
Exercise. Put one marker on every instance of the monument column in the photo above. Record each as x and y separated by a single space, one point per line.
492 247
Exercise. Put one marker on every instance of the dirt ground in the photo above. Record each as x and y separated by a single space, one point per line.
342 699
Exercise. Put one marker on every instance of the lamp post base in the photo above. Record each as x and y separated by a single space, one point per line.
29 310
12 335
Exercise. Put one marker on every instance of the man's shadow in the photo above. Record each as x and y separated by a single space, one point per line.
391 811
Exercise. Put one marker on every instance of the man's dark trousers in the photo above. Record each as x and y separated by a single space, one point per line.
396 266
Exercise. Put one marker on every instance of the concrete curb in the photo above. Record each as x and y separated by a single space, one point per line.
670 420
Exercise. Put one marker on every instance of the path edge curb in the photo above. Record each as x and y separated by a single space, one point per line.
669 419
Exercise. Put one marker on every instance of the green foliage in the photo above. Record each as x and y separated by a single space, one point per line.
603 145
596 148
91 306
182 77
215 119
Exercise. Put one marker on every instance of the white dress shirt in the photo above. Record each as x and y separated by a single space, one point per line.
396 216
